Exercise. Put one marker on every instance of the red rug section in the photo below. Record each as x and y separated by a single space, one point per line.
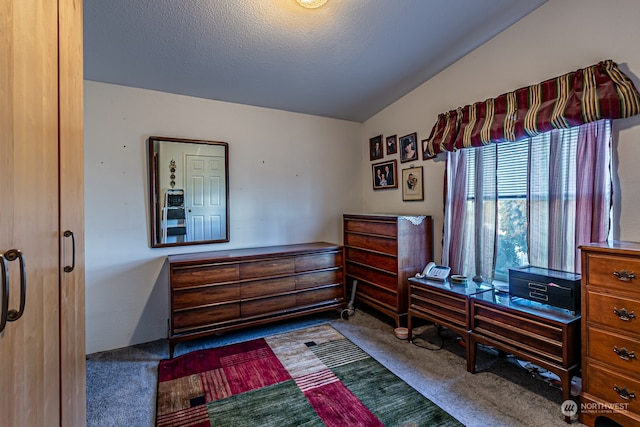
338 407
247 365
193 417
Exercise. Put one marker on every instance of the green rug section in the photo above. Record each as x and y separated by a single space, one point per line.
392 400
279 405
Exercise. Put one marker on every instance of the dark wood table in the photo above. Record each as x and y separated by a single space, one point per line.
443 303
546 336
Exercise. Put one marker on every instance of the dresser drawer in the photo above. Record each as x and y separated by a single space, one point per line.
320 278
319 296
448 307
602 309
318 261
367 291
530 335
614 349
381 278
381 261
267 287
611 385
603 269
267 305
188 298
193 276
372 243
266 268
187 320
371 227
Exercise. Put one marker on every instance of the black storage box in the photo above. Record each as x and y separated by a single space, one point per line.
553 287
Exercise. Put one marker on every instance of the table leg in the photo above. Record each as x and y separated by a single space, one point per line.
472 347
409 331
467 349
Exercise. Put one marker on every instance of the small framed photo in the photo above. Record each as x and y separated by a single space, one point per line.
375 148
392 144
425 155
409 149
412 188
384 175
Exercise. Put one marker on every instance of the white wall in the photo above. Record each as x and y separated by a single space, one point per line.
291 178
559 37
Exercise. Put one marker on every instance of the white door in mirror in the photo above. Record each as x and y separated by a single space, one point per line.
434 272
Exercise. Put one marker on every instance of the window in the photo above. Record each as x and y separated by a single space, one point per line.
524 202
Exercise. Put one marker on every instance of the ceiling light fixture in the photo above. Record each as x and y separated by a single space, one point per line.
311 4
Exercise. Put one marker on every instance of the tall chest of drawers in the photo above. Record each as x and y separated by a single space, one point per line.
611 333
212 292
381 253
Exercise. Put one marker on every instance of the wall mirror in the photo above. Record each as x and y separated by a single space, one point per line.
188 191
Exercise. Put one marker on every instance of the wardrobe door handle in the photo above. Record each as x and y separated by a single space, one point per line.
12 255
4 292
69 268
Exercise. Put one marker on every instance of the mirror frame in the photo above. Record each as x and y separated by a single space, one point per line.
154 189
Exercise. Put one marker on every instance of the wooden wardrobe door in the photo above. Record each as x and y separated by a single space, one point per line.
72 280
29 210
72 295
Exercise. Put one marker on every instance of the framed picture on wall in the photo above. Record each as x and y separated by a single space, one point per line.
384 175
412 184
392 144
375 148
409 150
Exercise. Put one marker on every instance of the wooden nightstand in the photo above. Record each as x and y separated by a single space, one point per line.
444 304
546 336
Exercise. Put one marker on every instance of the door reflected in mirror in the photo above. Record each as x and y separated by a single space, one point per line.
188 191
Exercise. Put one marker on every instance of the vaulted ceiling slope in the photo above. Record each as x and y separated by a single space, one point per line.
348 60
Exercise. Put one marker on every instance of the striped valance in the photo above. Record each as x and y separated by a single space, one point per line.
597 92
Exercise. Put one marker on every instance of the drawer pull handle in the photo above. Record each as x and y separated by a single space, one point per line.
538 287
624 275
623 314
538 295
623 353
624 393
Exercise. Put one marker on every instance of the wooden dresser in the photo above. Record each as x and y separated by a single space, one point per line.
611 331
545 335
211 292
381 253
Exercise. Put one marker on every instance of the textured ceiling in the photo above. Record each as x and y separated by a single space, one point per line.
349 59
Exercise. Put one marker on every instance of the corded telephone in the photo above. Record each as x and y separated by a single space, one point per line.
434 272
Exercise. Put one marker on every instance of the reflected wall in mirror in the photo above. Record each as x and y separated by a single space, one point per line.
188 191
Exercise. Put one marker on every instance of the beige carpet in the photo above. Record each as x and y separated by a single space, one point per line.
121 384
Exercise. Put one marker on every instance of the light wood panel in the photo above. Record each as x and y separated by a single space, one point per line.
72 295
41 116
29 347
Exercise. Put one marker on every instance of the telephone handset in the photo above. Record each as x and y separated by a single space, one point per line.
434 272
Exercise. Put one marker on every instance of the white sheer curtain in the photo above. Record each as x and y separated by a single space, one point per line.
569 195
568 200
469 240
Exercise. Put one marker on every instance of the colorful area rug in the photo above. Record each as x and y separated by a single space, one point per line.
309 377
